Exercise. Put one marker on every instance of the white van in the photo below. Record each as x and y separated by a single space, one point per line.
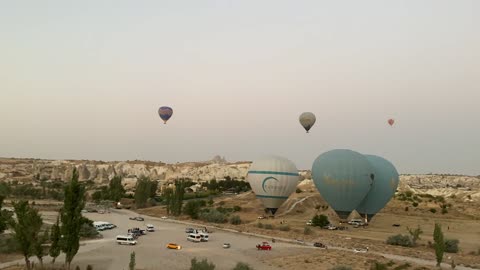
194 237
204 236
126 240
150 228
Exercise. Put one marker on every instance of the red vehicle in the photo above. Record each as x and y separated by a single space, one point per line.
264 246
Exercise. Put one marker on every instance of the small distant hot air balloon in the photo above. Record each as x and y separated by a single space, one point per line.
383 188
343 178
165 113
273 179
391 121
307 120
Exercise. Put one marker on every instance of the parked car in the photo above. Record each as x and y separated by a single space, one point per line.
150 228
139 219
173 246
319 245
261 217
331 227
360 250
164 217
189 230
264 246
226 245
309 223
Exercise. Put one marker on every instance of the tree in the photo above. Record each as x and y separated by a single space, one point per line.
142 192
415 234
115 189
168 195
54 250
131 265
38 246
439 243
71 218
153 189
26 228
320 221
3 216
192 208
202 265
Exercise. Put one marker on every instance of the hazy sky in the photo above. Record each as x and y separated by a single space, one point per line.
84 80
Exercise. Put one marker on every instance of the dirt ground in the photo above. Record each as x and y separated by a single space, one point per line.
151 252
301 207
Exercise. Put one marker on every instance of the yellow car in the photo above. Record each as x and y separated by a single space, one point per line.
173 246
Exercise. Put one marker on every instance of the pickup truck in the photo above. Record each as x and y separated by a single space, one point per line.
264 246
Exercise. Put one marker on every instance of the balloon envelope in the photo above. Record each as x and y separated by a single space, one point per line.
273 179
383 188
307 120
165 113
391 122
343 178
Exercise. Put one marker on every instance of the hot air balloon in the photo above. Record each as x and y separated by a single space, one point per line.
307 120
273 179
343 178
391 122
165 113
383 188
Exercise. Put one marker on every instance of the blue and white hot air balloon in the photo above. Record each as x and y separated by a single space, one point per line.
273 179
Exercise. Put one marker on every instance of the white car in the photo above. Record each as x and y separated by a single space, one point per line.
360 250
226 245
164 217
309 223
150 228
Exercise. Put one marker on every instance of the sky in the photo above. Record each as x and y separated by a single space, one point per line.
84 80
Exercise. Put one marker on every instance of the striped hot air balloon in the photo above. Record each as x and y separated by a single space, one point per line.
165 113
273 179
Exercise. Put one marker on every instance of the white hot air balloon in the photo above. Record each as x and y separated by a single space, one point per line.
307 120
273 179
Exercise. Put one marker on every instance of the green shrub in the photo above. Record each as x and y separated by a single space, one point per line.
406 209
378 266
298 190
400 240
444 211
403 266
320 221
433 210
235 220
242 266
89 267
269 227
260 225
415 204
8 244
213 215
88 231
451 245
237 208
201 265
307 230
284 228
341 267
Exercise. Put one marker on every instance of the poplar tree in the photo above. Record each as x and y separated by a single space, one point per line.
26 228
55 248
71 218
439 243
